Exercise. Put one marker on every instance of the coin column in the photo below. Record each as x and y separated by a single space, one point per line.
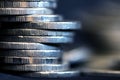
30 38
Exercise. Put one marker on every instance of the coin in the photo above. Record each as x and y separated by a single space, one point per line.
25 11
58 74
29 60
38 39
27 46
31 43
41 4
31 53
43 25
31 18
34 32
61 25
28 0
36 67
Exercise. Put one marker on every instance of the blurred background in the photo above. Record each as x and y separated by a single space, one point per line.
97 44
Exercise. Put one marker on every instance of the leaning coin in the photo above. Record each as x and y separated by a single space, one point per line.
41 4
29 18
37 39
31 53
27 46
28 60
25 11
36 67
28 0
34 32
43 25
58 74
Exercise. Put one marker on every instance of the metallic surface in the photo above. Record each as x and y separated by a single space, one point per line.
31 53
31 38
42 25
27 46
37 67
30 18
34 32
27 11
41 4
37 39
28 0
29 60
58 74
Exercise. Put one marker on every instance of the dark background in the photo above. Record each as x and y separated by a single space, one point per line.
79 10
94 16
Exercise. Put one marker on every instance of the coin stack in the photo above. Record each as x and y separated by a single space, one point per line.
31 37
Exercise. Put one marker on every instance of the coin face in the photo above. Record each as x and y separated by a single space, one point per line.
58 74
31 18
42 25
25 11
27 46
28 60
31 53
41 4
37 67
37 39
34 32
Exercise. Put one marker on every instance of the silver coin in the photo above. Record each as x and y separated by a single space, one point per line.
44 25
37 39
28 60
25 11
41 4
31 18
27 46
31 53
60 74
34 32
37 67
60 25
28 0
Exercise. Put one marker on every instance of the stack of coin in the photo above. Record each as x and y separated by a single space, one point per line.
31 37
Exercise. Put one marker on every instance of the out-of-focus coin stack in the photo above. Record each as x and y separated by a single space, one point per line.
31 37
